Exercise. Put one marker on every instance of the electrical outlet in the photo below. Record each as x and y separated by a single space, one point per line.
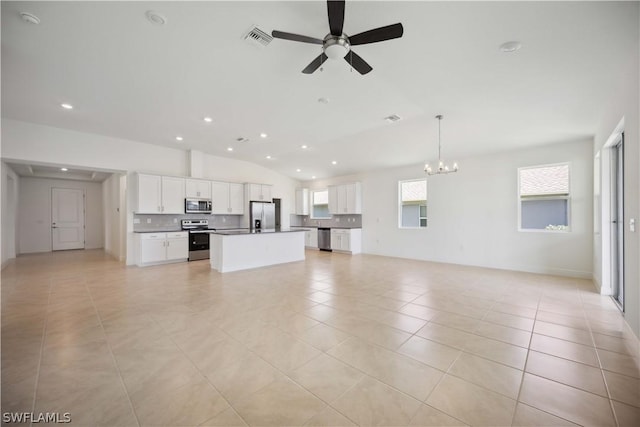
148 220
224 219
632 225
175 220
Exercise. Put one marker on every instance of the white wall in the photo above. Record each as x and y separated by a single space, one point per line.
472 214
34 209
623 105
28 142
114 216
9 191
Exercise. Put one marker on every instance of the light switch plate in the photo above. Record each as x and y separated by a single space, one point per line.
632 225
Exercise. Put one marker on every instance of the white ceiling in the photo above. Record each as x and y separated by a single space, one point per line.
45 171
131 79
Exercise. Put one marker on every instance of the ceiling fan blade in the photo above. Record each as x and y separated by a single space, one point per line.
315 64
335 9
357 62
295 37
377 35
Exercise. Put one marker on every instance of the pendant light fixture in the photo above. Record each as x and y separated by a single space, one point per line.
442 168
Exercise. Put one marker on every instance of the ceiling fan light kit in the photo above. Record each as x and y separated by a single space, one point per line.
442 167
337 44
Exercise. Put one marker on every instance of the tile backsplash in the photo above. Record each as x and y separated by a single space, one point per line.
157 222
342 221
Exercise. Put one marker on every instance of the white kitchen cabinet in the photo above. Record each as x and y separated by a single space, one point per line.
158 248
198 188
345 199
172 195
302 201
149 192
228 198
177 246
259 192
346 240
159 194
236 199
311 238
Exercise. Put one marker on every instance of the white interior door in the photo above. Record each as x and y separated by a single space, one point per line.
67 218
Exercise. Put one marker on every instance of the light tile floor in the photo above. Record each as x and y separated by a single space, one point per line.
336 340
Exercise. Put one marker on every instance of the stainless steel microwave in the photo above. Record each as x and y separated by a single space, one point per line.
197 206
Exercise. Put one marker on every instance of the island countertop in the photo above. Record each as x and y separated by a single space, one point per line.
248 231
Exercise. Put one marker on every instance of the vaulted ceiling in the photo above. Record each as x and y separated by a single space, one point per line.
129 78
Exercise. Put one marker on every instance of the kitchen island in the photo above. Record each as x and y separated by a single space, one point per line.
233 250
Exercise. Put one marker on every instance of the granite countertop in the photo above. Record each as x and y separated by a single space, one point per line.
178 230
324 226
247 231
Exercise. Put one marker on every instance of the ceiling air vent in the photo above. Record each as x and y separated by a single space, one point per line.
392 118
258 37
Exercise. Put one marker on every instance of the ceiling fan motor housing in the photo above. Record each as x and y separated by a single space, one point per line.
336 46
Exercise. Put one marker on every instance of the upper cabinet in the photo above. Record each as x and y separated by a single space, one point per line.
228 198
345 199
160 194
302 201
259 192
198 188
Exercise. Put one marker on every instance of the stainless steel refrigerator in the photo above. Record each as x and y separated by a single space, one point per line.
262 216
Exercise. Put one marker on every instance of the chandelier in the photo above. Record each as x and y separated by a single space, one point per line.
442 168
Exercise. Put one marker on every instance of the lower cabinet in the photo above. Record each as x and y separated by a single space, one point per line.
346 240
158 248
311 238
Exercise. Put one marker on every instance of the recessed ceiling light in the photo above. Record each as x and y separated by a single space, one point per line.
268 157
334 162
313 177
323 100
155 18
179 138
263 135
64 169
67 106
30 18
229 148
511 46
298 170
304 147
208 119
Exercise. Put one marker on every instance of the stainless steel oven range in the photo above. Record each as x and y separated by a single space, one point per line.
198 238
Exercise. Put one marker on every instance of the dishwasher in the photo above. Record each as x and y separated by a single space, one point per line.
324 239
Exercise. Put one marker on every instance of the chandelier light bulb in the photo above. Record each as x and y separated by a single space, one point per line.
442 168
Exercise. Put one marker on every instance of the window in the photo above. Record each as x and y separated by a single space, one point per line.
544 197
412 210
320 204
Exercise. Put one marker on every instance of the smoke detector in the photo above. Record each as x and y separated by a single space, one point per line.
30 18
155 18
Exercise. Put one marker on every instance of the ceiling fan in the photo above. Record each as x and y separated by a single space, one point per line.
337 44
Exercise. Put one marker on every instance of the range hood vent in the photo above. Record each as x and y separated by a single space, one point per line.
258 37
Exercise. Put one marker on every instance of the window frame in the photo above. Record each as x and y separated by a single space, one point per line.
420 217
543 197
311 204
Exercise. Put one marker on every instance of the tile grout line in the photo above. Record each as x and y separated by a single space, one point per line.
526 361
113 357
44 334
595 349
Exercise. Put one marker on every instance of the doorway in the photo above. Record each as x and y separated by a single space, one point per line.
617 221
67 218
